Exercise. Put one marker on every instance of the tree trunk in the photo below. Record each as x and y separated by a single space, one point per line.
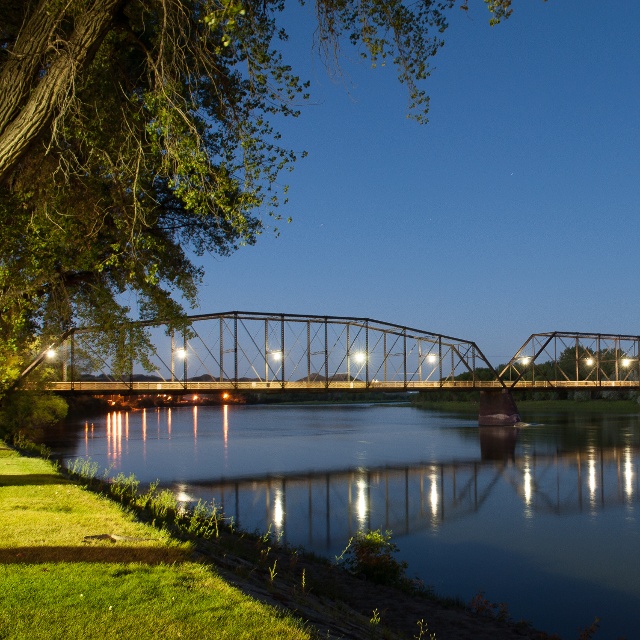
37 81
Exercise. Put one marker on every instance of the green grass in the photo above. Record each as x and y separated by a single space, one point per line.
56 584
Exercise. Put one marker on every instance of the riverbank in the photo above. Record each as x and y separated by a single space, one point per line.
62 577
598 406
75 564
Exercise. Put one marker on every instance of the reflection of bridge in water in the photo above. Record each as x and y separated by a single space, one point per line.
323 509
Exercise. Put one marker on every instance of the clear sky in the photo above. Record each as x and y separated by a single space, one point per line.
513 211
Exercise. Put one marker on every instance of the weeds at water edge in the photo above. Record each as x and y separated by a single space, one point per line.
160 507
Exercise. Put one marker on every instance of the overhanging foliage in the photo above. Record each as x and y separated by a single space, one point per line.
136 133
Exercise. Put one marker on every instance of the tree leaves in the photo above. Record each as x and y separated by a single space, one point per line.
136 133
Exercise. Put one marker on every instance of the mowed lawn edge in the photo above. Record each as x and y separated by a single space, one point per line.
62 577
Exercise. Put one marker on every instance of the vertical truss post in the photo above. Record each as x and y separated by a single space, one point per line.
73 360
326 352
185 361
65 357
440 358
366 351
598 360
616 343
235 349
404 357
308 351
473 364
384 353
577 359
130 357
173 355
348 352
266 350
419 360
282 349
221 350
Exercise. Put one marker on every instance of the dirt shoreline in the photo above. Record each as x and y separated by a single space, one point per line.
342 606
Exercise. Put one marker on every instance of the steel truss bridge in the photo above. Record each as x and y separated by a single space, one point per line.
252 351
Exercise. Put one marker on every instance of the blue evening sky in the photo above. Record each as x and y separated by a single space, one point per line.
513 211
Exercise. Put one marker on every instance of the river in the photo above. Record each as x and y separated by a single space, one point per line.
543 518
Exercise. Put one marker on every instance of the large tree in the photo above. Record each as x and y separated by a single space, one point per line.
135 133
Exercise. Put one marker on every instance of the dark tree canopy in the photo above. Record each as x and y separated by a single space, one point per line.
135 133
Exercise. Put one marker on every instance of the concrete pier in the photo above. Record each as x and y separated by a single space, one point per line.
498 409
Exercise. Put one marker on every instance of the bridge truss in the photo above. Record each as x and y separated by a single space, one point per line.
265 351
575 360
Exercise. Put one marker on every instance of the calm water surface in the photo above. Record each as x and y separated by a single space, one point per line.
544 518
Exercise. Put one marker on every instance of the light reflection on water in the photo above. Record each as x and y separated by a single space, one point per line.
527 516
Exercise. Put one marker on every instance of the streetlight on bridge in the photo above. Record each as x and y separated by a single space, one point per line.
275 355
181 354
359 357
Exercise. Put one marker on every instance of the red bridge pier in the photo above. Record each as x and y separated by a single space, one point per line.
498 409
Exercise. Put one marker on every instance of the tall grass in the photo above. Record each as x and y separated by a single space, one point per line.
158 506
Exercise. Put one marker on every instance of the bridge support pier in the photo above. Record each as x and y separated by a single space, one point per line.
498 409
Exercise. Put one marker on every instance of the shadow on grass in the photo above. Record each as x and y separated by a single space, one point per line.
26 479
111 554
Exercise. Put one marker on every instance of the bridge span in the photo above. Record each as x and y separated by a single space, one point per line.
277 352
266 351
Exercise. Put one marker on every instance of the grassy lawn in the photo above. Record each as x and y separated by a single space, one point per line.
56 583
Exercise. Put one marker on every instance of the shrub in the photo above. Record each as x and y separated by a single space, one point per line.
24 412
370 555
